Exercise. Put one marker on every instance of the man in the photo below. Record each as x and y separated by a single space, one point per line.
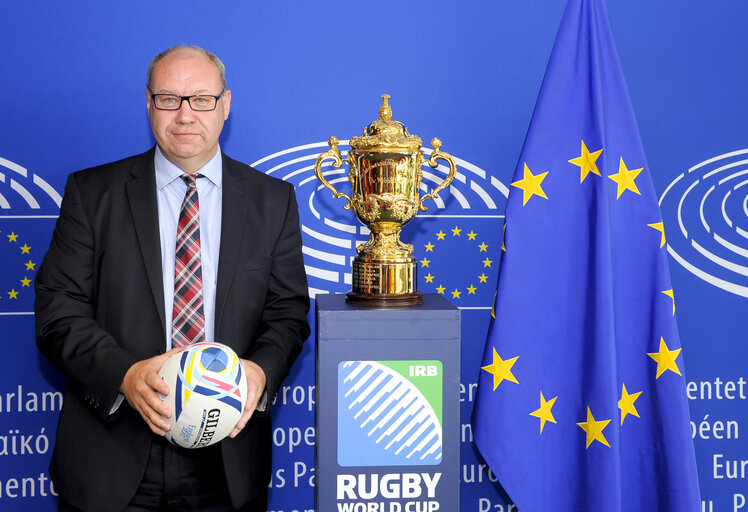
108 312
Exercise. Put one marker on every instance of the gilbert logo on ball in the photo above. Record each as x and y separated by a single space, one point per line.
207 393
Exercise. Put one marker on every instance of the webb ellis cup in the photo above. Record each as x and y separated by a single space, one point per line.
385 179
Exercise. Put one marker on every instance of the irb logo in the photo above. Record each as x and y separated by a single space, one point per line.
423 370
390 413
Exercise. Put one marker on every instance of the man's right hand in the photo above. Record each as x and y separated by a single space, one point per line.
141 386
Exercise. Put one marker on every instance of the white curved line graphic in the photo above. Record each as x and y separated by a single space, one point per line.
291 150
14 167
701 209
498 185
672 184
724 212
483 195
680 208
716 281
314 291
738 269
719 157
25 194
729 245
327 257
51 192
311 205
338 242
346 228
733 176
460 198
724 167
325 174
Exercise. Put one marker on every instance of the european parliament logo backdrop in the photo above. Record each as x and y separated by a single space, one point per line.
73 79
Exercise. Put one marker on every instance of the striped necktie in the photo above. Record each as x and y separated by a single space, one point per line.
188 318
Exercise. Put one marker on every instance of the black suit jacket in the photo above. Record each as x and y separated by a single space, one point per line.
100 308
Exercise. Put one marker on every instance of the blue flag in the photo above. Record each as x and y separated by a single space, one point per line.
581 401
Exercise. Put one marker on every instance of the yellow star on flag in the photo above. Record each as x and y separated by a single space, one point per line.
594 429
530 185
456 231
544 413
626 403
483 247
424 262
30 265
471 290
429 247
429 278
440 290
440 235
456 294
501 369
472 235
25 249
487 263
665 359
669 293
13 294
483 277
25 281
586 162
625 179
12 237
659 226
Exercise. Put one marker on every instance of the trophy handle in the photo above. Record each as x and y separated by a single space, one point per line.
439 155
333 154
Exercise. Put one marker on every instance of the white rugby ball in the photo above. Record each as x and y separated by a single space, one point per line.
207 393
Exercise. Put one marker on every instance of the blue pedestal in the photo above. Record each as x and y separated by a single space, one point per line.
387 407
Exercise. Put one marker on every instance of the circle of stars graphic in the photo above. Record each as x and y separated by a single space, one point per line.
21 249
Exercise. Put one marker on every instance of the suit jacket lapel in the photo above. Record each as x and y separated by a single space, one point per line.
141 195
233 225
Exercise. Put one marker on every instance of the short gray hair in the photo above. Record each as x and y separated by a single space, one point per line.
181 48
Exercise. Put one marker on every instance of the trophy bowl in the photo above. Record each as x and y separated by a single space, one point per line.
385 176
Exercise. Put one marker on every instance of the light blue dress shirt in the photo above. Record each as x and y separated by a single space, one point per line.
170 192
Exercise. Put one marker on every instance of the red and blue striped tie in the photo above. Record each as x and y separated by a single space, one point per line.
188 319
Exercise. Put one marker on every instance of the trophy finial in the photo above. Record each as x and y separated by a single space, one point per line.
385 111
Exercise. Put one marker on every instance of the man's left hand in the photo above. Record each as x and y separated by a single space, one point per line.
255 389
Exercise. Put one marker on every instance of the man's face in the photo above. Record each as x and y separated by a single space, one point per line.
188 138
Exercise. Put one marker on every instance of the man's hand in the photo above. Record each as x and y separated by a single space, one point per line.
140 387
255 388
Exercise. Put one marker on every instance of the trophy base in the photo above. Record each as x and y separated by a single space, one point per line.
409 299
384 283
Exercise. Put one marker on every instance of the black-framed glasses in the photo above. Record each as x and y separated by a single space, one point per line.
199 102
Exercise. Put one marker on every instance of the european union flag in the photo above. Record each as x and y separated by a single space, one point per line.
581 399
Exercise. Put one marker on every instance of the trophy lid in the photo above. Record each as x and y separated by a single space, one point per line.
385 134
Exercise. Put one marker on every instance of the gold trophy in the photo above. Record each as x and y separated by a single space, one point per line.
385 178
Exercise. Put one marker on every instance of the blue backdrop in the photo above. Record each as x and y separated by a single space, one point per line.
72 88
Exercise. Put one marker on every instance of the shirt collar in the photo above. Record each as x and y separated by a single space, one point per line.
166 172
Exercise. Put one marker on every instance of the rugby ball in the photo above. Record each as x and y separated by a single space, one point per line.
207 393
